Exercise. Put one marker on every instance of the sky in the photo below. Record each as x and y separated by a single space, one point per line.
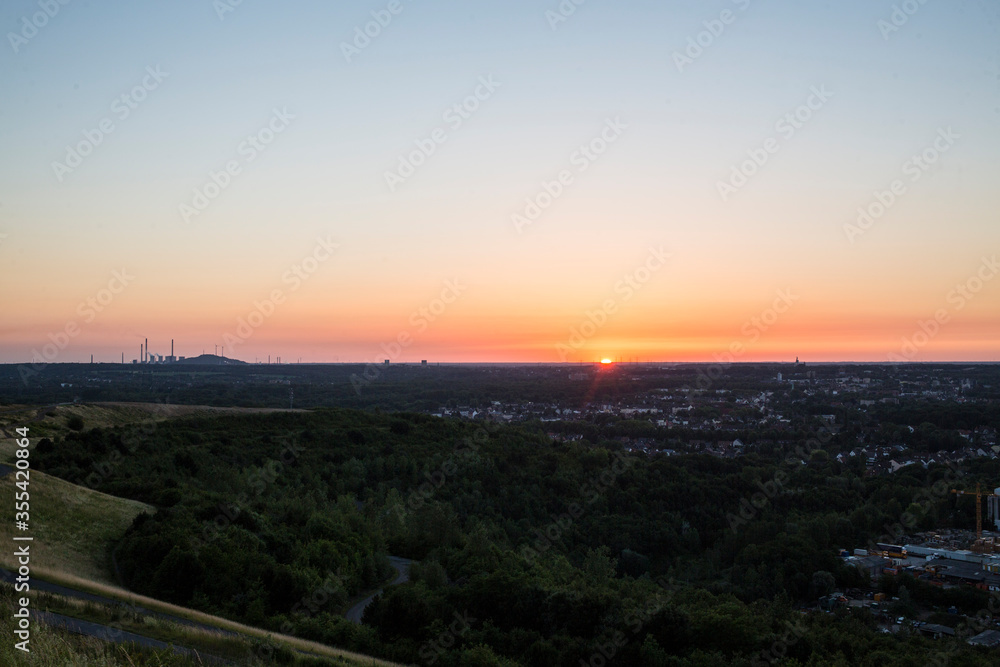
737 180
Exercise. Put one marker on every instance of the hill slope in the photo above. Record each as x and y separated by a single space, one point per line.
74 527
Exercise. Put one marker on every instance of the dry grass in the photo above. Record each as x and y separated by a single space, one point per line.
50 422
122 595
74 527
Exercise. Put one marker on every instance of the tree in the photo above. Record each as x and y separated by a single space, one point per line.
822 583
904 606
599 565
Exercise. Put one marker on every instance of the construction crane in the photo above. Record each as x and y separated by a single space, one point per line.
979 508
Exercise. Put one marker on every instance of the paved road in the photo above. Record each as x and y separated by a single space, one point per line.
117 636
39 585
111 634
402 566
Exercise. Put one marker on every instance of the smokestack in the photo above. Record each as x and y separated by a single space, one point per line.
171 349
147 350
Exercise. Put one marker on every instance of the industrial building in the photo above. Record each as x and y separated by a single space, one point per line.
953 567
147 357
987 638
936 565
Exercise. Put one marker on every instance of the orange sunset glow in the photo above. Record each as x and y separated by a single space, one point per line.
499 204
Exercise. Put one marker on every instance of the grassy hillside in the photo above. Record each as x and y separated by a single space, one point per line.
52 647
129 599
51 421
74 527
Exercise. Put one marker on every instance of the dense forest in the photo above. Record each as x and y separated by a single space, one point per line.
530 551
416 388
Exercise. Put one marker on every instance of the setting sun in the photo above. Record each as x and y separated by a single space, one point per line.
605 361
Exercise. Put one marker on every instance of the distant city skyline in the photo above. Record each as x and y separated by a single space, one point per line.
537 182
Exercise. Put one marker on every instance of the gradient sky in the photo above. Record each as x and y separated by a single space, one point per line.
521 293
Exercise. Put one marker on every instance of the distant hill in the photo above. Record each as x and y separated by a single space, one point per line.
212 359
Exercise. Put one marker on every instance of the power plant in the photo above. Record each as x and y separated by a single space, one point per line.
147 357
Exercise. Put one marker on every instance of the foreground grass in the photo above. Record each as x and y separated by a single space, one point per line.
251 633
119 616
234 648
51 646
74 527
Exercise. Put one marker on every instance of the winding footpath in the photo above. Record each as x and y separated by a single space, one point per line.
46 587
116 636
402 566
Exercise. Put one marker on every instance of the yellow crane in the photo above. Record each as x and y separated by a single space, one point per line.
979 507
